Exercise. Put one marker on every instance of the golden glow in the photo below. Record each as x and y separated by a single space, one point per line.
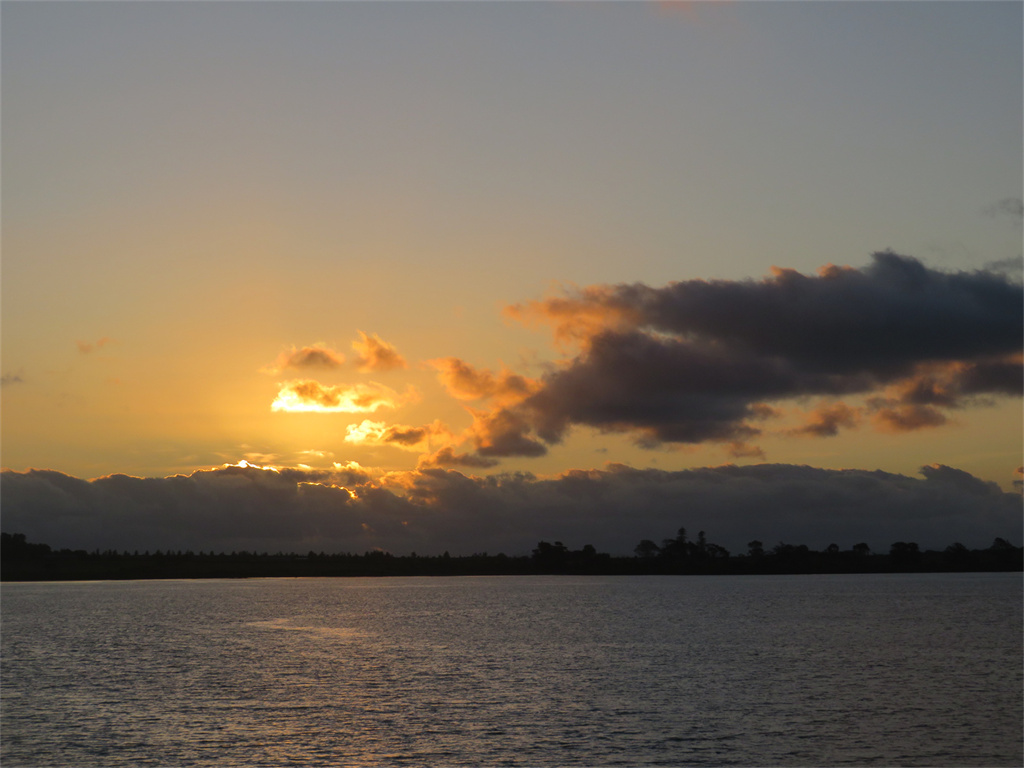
401 436
243 464
366 432
308 395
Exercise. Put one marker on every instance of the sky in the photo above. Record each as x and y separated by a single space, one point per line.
427 276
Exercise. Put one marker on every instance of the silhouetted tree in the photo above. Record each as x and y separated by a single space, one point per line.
676 548
957 556
716 552
699 548
550 553
905 553
647 548
755 548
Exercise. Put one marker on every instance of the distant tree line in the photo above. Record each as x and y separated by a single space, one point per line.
21 560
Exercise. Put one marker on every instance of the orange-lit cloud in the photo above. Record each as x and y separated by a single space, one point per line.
907 418
579 314
465 382
315 356
375 354
826 420
397 435
310 395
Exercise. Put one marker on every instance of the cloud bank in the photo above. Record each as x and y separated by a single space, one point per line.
236 508
704 361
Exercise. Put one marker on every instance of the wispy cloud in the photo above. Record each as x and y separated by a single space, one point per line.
1008 207
88 347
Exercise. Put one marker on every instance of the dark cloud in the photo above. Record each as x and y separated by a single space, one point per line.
10 378
447 458
693 361
429 511
504 432
877 321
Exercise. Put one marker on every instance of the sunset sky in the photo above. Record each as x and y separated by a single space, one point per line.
467 275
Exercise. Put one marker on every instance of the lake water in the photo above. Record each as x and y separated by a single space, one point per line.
522 671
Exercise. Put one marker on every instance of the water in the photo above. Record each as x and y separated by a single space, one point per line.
521 671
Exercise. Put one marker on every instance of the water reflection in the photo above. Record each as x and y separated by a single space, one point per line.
882 670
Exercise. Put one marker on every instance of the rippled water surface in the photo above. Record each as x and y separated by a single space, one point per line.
527 671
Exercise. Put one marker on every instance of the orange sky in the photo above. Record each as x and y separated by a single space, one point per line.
420 236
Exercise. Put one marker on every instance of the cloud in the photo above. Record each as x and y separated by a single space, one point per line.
88 347
741 450
908 418
1015 264
579 313
698 361
503 432
372 354
397 435
316 356
1012 207
11 378
242 507
375 354
464 382
447 458
826 420
310 395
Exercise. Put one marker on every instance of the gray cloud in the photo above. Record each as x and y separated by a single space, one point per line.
1012 207
433 510
695 361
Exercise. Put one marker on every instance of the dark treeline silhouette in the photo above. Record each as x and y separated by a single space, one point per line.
21 560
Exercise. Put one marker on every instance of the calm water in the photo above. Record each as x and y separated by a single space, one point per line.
531 671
